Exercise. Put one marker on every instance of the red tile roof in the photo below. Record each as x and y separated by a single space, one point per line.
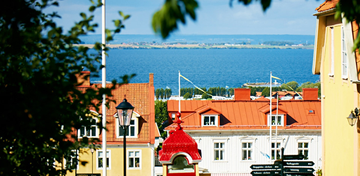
139 95
327 5
245 115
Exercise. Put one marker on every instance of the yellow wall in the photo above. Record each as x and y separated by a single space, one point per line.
337 102
116 168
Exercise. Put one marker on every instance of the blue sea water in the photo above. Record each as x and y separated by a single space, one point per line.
210 67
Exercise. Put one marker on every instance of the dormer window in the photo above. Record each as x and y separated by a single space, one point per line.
276 120
133 129
209 120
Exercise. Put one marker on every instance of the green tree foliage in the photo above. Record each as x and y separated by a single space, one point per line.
161 114
162 93
37 80
290 86
266 92
157 93
173 11
187 96
205 96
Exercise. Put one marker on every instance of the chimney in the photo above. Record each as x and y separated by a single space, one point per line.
83 78
242 94
151 79
310 93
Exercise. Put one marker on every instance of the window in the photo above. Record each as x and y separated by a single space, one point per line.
246 151
276 120
275 150
91 131
303 148
132 130
173 116
209 120
219 151
134 159
332 52
100 157
344 59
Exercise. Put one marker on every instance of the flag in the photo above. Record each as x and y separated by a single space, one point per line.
275 77
194 85
264 154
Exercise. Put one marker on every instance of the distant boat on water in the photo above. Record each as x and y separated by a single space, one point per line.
262 84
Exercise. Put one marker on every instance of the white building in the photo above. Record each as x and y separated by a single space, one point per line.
234 134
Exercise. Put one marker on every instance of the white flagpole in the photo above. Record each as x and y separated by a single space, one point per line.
276 122
179 96
103 85
270 119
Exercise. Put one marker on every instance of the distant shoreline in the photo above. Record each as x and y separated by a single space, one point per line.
198 46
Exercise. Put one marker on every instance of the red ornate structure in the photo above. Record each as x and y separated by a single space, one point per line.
179 144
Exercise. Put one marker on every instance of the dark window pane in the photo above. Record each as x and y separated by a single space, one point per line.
132 131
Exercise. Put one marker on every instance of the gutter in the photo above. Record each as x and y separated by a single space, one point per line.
326 12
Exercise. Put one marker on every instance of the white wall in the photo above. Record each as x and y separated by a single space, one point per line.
233 162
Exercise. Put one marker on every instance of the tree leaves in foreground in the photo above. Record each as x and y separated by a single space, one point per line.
165 20
41 104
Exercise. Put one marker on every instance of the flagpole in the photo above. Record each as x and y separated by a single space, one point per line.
276 122
179 96
103 85
270 118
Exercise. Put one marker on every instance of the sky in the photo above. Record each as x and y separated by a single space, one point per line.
294 17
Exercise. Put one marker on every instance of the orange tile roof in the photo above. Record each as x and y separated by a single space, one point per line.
245 115
327 5
139 95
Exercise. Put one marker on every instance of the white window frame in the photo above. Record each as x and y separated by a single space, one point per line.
276 124
278 149
224 149
247 149
135 125
332 53
133 157
90 130
209 115
303 148
344 56
108 152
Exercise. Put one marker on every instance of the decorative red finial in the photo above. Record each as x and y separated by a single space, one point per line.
178 123
178 115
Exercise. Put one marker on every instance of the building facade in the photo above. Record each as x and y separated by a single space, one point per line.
234 134
338 67
140 140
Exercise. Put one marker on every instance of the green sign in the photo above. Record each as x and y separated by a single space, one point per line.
298 163
293 157
270 166
303 170
265 172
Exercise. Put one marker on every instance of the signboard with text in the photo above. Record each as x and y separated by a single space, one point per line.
286 166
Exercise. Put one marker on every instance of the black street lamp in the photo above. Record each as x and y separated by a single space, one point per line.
124 111
92 149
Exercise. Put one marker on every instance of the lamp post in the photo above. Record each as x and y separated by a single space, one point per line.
92 149
124 111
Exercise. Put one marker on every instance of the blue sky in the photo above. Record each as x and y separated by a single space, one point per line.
213 16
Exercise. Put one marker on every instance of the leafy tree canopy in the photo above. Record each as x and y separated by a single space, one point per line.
38 68
172 12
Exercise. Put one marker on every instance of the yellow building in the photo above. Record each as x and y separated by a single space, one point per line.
140 140
336 63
